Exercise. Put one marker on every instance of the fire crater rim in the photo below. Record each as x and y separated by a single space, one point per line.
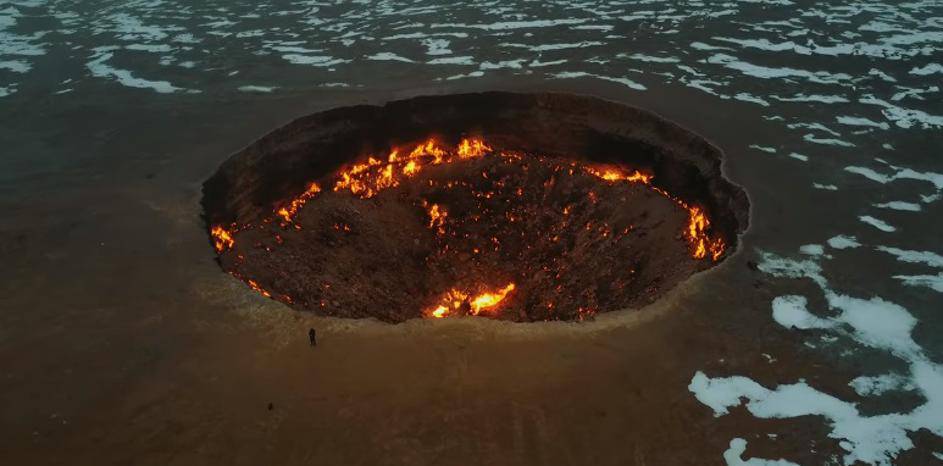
521 207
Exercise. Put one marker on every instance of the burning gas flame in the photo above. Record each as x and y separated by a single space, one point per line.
368 178
471 148
440 311
454 300
617 174
255 286
486 301
698 223
437 216
222 238
696 233
289 211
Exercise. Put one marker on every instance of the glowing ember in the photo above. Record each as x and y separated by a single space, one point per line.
546 223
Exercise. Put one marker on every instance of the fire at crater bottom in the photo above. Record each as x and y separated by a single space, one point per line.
469 224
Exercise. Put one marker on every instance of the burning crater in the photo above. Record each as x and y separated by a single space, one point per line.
522 207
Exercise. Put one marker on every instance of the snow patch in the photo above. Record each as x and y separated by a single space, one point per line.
100 69
734 456
914 257
790 312
252 88
877 223
843 242
579 74
899 205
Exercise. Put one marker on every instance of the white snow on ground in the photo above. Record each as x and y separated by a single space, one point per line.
579 74
823 99
812 249
764 72
512 64
16 50
882 75
814 126
877 385
16 66
745 97
100 69
388 56
870 174
872 322
927 70
858 121
508 25
790 312
537 63
549 47
734 456
915 257
827 141
929 258
767 149
900 205
252 88
905 117
843 242
652 59
436 46
877 223
313 60
464 60
473 74
934 282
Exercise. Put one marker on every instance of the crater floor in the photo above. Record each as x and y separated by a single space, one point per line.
503 235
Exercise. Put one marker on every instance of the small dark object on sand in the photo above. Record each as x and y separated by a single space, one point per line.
313 337
271 406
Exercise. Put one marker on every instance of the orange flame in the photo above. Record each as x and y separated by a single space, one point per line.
368 178
255 286
617 174
698 223
486 301
289 211
454 299
222 238
437 217
472 147
701 242
428 148
440 312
